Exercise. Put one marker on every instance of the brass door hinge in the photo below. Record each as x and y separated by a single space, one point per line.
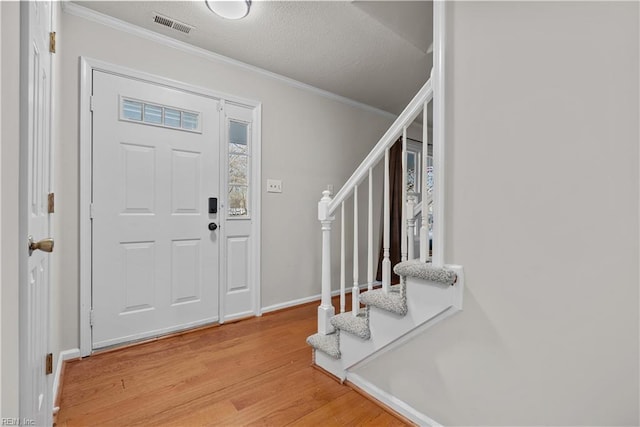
52 42
51 203
49 364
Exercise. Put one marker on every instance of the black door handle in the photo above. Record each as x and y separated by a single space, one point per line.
213 226
213 205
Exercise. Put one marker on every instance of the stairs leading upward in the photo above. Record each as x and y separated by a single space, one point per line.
426 294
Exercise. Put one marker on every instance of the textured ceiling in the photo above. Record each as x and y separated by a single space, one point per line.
375 52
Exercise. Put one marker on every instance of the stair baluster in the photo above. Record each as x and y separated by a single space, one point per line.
349 331
355 292
342 261
370 272
403 216
386 261
424 228
329 204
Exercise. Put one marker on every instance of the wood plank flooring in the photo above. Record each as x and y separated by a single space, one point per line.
253 372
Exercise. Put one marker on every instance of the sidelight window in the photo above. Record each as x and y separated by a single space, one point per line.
238 179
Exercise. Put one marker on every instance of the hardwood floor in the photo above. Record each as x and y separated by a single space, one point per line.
253 372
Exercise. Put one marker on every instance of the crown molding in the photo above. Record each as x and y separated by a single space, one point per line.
100 18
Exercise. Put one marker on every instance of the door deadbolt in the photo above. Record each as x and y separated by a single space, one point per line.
45 245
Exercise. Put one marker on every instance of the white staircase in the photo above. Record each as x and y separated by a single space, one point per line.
430 290
388 317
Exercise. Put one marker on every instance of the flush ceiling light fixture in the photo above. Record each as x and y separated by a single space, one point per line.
229 9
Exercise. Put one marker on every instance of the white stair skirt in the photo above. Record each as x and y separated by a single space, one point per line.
427 302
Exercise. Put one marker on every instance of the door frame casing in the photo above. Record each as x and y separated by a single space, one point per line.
87 66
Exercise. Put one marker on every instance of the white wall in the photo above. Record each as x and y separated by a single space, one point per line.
542 211
9 149
308 141
0 215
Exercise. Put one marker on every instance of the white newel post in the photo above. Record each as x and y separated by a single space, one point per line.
411 222
325 310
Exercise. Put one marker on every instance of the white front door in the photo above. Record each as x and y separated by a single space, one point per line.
35 394
155 168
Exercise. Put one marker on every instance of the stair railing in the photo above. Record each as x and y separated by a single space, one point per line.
328 205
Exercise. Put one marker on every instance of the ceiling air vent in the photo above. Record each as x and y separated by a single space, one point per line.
172 23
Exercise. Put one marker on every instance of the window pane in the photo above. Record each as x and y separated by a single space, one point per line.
152 114
238 148
411 171
238 169
132 110
237 200
411 160
172 118
238 133
189 121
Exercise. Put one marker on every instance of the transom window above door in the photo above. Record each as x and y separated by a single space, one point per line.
133 110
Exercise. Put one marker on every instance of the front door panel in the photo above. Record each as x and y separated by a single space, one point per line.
155 165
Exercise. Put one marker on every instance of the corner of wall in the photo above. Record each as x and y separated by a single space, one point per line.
9 334
63 357
0 210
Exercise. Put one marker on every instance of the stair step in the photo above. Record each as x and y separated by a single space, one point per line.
425 271
395 301
329 344
356 325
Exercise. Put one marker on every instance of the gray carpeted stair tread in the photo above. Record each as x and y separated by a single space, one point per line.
395 301
356 325
329 344
424 270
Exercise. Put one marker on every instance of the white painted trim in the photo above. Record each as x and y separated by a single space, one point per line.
293 303
63 356
405 118
305 300
87 65
392 402
54 123
93 16
222 214
85 155
435 319
439 123
255 191
108 67
256 223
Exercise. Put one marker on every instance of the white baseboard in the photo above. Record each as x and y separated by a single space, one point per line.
392 402
64 355
292 303
300 301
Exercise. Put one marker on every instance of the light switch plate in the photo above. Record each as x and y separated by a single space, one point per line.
274 186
